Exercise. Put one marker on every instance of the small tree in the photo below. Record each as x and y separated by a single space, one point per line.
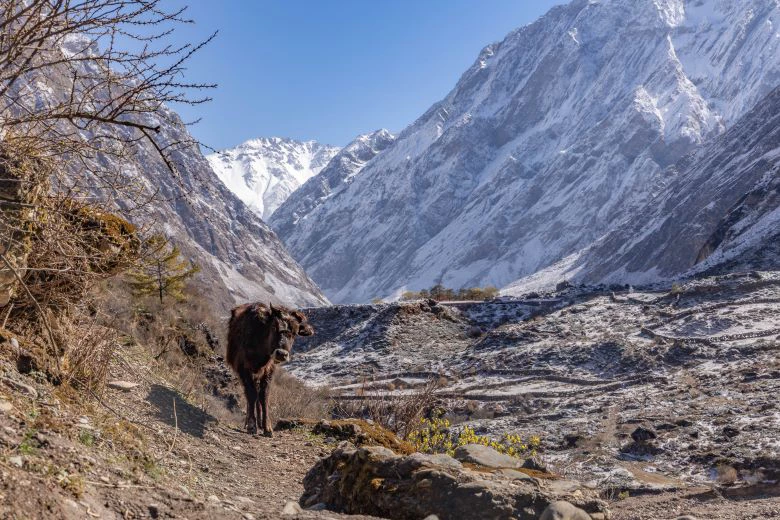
161 271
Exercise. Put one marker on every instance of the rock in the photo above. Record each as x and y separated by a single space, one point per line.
5 406
474 331
730 431
561 510
375 481
22 388
292 508
16 461
14 343
516 475
686 517
643 434
125 386
154 510
431 517
486 456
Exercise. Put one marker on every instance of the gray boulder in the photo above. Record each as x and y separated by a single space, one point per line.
375 481
562 510
486 456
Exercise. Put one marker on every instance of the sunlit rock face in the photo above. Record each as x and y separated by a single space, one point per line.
553 137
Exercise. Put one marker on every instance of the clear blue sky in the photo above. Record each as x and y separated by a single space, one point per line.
332 69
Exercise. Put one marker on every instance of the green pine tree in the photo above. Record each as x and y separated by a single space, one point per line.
161 271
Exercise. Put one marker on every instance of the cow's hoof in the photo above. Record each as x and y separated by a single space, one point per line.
268 433
251 429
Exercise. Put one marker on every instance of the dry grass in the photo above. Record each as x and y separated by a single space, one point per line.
398 412
290 398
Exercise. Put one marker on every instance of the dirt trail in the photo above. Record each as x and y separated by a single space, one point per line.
140 453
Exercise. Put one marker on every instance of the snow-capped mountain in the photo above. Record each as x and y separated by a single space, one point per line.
331 181
264 172
553 137
720 209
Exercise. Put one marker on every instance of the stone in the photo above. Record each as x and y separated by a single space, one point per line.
371 481
5 406
292 508
561 510
643 434
431 517
486 456
125 386
154 510
686 517
16 461
14 343
516 475
22 388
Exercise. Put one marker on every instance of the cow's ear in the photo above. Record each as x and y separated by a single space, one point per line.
275 311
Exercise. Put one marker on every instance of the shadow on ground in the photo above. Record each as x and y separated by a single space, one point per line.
189 419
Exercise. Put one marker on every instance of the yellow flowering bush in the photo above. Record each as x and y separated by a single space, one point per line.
435 436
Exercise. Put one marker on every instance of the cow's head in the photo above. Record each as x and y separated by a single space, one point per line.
287 325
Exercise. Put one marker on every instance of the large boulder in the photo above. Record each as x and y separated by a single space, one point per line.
377 481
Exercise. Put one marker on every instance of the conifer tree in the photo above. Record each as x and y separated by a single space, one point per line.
161 271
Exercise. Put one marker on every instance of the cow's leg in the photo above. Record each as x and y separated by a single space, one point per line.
265 400
250 392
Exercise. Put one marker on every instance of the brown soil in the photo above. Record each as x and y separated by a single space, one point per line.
143 453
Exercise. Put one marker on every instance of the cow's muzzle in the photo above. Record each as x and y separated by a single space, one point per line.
281 355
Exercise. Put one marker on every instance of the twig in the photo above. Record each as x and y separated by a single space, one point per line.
7 315
52 343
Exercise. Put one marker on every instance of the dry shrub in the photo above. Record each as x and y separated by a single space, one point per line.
398 412
290 398
90 349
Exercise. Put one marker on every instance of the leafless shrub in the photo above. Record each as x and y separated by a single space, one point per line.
290 398
398 412
81 83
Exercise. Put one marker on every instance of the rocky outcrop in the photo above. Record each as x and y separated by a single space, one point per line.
377 481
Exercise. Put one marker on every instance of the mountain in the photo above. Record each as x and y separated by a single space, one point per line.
720 211
240 257
264 172
553 137
332 180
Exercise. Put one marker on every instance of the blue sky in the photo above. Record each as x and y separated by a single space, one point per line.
332 69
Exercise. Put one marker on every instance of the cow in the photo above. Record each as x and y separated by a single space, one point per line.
259 338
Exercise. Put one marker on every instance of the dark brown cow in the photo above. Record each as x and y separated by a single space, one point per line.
259 338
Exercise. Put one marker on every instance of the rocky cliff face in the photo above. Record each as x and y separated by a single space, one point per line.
293 215
240 257
264 172
553 137
720 210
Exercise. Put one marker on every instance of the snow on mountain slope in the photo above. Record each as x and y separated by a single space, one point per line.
555 135
264 172
721 206
240 257
331 181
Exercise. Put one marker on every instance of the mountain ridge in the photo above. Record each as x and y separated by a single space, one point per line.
554 136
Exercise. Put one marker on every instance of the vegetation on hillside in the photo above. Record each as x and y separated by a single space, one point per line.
440 293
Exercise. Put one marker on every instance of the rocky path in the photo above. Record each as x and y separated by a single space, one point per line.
140 452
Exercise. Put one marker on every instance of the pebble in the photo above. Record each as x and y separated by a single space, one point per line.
212 498
125 386
292 508
16 461
14 343
20 387
6 407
